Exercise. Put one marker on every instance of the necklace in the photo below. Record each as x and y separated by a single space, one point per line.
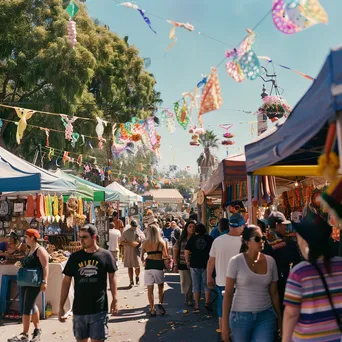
253 261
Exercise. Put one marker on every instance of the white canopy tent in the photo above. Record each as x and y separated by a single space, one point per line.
124 194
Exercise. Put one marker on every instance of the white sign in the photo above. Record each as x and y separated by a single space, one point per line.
18 207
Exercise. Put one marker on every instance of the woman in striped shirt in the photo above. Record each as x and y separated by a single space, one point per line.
313 295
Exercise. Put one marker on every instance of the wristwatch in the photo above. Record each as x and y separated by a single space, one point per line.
44 282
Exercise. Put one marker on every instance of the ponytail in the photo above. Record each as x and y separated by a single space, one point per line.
244 246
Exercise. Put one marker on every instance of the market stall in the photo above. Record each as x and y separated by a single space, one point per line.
294 148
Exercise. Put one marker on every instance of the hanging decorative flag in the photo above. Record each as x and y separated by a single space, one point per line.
72 33
193 101
147 20
51 153
24 115
203 82
129 5
172 34
291 16
100 130
83 140
152 133
72 9
66 157
68 124
244 62
269 60
211 96
181 115
47 134
74 138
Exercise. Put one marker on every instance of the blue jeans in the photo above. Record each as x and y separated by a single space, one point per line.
219 300
199 279
253 326
91 326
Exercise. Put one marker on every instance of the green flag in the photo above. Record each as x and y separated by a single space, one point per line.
72 9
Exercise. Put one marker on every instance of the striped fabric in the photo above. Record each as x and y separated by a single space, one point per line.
305 289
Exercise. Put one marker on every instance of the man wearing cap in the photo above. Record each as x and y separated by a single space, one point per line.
89 268
222 250
131 240
284 250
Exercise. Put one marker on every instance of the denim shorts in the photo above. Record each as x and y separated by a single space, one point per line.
199 279
91 326
219 290
253 326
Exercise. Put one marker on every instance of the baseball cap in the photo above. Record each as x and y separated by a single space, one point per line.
32 232
315 232
277 217
134 223
236 220
91 229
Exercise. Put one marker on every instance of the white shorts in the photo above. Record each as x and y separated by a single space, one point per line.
152 277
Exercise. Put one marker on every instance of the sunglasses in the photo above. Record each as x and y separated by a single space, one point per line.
259 239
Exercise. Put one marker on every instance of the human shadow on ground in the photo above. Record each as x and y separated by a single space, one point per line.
179 324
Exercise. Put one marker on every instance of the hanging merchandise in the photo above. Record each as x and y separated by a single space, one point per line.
172 34
79 160
274 107
40 206
66 157
195 138
211 96
68 124
29 206
292 16
24 115
244 62
74 138
56 209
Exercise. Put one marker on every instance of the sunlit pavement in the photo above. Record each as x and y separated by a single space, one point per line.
133 323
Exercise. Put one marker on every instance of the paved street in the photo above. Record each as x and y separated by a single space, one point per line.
133 324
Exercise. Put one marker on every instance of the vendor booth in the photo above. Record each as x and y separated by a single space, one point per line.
294 148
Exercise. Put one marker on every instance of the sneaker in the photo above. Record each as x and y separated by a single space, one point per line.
137 280
131 284
19 338
37 333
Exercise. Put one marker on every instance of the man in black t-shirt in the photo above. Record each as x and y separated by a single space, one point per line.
197 255
89 268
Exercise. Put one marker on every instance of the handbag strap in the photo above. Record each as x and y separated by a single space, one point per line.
337 317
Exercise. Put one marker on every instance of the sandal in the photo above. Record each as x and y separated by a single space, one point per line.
161 309
208 307
196 311
153 313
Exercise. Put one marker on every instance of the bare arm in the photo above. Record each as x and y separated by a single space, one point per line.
43 256
165 251
227 304
210 271
114 291
143 251
275 298
175 255
64 295
187 257
291 316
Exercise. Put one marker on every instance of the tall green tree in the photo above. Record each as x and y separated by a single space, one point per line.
102 76
207 161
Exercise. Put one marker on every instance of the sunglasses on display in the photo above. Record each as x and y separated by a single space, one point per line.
259 238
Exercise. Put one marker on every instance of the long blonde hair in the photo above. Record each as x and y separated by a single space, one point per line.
153 234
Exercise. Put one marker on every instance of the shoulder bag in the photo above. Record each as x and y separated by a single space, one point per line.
337 317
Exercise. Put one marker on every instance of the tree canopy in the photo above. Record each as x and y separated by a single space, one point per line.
102 76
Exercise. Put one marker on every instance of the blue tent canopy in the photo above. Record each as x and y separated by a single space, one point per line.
14 180
301 138
49 182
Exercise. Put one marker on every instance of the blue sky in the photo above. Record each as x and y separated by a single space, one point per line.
181 68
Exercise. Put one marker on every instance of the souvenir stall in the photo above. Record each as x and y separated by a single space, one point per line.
226 187
33 206
305 144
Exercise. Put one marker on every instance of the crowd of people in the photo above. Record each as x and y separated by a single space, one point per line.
269 287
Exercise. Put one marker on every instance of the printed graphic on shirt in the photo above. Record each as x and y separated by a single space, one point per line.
201 244
88 269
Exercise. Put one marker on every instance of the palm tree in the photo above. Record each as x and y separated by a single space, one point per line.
207 162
